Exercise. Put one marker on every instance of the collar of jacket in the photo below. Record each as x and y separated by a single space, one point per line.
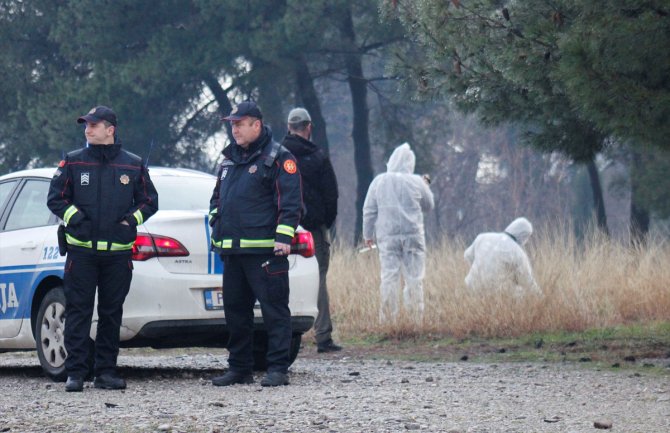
299 146
512 236
239 155
105 151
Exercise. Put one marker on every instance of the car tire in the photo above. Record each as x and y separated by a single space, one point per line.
50 337
49 334
261 348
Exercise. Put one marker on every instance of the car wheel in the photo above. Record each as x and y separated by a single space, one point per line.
50 337
49 334
261 349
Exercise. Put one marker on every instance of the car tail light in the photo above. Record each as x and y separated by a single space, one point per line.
148 246
303 244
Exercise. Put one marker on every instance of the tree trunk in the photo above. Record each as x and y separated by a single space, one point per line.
639 214
225 107
597 192
360 134
310 101
271 101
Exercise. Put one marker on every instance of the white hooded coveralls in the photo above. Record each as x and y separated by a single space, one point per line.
393 214
499 261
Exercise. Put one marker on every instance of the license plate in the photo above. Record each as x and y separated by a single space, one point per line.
213 299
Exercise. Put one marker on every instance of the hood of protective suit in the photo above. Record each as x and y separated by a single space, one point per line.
402 160
521 229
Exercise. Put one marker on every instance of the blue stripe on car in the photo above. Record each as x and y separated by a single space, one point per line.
23 281
214 263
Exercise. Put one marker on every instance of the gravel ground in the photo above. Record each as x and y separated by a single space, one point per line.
170 391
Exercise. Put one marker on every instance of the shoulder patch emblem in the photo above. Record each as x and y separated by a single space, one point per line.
61 164
290 167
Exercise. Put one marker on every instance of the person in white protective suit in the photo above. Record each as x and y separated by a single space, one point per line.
499 261
393 215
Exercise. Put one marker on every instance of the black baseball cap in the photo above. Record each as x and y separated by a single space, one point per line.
246 108
98 114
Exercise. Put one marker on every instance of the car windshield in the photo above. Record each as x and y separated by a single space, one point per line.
183 193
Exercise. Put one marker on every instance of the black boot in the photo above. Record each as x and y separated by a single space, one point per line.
328 346
74 384
275 378
233 378
109 381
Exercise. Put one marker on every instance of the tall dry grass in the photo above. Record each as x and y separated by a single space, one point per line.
591 283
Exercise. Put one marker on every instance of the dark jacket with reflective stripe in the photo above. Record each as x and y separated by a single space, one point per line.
94 189
319 181
257 200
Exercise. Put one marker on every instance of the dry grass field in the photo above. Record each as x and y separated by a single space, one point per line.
586 284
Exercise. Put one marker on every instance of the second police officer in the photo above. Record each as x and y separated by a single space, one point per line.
254 210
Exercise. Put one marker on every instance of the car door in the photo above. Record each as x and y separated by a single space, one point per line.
25 224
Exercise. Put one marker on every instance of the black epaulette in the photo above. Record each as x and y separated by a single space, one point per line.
269 161
137 158
75 152
272 155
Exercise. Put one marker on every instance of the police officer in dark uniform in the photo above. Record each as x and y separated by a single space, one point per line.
255 209
102 193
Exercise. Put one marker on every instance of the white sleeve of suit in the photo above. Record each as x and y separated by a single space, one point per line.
427 200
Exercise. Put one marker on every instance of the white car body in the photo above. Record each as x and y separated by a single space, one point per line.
166 305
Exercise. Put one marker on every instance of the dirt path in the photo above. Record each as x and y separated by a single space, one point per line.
171 391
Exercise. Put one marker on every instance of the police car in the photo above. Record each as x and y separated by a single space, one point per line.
175 298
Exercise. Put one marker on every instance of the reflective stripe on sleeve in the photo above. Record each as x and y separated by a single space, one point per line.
69 213
138 217
285 230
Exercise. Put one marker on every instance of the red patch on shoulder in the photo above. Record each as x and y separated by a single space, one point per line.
290 167
61 163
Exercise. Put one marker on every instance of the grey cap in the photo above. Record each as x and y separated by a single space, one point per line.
299 115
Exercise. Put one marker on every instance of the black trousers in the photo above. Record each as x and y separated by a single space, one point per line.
246 280
111 274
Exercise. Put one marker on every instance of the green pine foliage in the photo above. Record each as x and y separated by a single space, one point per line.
615 68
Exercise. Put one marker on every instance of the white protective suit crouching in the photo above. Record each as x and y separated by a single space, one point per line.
393 215
499 261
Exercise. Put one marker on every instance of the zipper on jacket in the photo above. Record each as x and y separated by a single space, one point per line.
97 227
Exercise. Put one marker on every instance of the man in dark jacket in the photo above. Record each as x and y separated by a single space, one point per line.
254 211
320 196
102 193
